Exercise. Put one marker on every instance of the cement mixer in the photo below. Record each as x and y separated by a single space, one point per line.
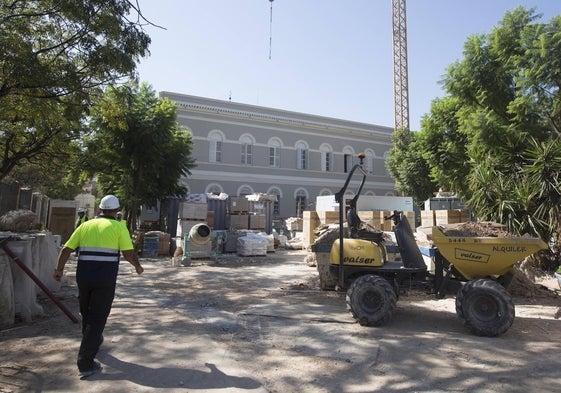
200 234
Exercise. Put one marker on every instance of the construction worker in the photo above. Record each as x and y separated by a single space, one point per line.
82 216
101 241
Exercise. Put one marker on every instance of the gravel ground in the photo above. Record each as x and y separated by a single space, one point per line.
260 324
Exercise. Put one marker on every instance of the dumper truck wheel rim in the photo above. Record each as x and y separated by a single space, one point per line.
371 300
485 307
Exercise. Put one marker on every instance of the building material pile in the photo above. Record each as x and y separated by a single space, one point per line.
252 245
17 221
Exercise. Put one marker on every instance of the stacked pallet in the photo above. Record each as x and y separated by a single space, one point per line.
378 219
257 221
294 224
431 218
238 213
444 209
189 215
328 217
257 216
310 223
373 218
156 243
150 246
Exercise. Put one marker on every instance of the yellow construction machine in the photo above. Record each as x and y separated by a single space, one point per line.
477 269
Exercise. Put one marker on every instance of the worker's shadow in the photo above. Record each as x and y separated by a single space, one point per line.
166 377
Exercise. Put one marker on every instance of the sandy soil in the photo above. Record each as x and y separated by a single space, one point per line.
260 324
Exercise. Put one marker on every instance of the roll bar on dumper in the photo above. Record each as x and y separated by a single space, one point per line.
411 257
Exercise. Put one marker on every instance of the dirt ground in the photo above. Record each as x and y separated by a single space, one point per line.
260 324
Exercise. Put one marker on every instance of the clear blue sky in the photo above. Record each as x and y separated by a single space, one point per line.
329 58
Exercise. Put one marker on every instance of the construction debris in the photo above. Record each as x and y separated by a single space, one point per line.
17 221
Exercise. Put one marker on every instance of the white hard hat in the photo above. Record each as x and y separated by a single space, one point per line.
81 210
109 202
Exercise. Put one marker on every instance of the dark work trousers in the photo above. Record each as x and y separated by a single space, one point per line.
95 305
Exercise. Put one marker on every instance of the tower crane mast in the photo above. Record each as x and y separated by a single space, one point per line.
400 76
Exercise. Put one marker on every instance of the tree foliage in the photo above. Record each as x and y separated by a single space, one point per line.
407 166
57 177
495 137
443 146
55 55
509 117
137 149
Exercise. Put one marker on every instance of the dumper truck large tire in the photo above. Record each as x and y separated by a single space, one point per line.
485 307
371 300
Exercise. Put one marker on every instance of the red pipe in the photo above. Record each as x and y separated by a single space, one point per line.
37 281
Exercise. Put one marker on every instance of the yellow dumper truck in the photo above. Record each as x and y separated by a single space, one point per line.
476 269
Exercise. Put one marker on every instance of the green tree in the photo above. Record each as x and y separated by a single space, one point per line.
57 177
137 149
55 56
409 169
442 144
494 137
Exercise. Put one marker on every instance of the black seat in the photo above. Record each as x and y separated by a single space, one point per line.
353 221
357 232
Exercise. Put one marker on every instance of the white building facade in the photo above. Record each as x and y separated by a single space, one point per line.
243 149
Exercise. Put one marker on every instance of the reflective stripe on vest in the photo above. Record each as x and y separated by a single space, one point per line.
98 254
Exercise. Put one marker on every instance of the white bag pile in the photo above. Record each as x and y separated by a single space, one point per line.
252 244
270 242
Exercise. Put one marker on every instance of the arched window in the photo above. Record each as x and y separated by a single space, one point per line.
245 190
246 142
301 155
348 157
275 146
276 204
326 157
215 140
301 198
369 160
214 188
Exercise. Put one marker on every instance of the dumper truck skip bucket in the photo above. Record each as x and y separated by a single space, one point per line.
476 257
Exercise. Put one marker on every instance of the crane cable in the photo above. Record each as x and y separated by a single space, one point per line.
271 29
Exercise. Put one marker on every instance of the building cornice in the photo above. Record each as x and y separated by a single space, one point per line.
274 116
